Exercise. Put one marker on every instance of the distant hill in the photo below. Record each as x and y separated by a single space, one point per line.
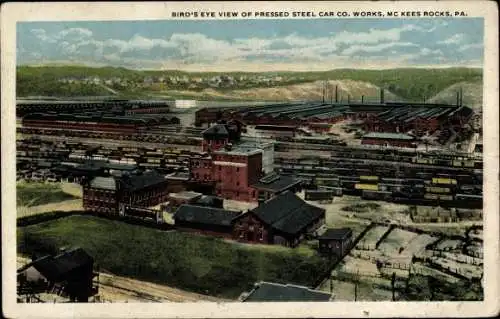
411 84
472 94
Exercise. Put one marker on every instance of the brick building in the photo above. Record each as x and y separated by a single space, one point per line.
284 219
110 194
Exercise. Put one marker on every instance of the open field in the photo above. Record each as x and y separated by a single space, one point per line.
190 262
34 194
37 198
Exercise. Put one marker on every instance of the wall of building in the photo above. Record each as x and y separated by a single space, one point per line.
383 142
98 200
249 229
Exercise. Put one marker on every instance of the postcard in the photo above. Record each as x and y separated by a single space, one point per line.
250 160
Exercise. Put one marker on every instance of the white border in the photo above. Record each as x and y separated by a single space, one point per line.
14 12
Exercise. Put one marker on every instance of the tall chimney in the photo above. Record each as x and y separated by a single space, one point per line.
362 99
461 96
458 98
323 92
382 96
336 93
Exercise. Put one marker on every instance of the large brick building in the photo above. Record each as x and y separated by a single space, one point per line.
110 194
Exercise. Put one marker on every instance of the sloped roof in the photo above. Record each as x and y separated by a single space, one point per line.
205 215
217 130
56 268
103 183
389 136
277 184
267 291
336 233
288 213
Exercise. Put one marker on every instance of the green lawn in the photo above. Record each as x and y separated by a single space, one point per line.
34 194
196 263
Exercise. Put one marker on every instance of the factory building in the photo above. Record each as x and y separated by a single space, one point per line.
112 194
389 139
284 219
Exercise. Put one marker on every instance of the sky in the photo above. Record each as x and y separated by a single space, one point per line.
255 45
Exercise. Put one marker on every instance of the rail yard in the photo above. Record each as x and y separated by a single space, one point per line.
415 166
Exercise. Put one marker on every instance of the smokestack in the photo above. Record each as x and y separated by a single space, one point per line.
323 92
461 96
458 98
362 99
331 96
381 96
336 93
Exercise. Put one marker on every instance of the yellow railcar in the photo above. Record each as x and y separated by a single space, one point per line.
431 196
370 187
445 181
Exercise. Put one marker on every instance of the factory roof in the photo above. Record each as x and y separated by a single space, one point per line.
336 233
131 182
239 149
275 183
217 130
288 213
275 127
268 291
205 215
389 136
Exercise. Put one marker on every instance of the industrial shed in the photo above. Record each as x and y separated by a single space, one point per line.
205 220
389 139
284 220
69 273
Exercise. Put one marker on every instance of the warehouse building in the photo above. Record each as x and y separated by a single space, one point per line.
284 219
389 139
205 220
112 194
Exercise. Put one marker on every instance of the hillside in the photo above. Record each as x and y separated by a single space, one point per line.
411 84
472 94
294 92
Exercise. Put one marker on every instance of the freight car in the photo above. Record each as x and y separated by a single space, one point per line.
376 195
141 213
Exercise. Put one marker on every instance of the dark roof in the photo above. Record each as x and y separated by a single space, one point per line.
336 233
275 127
267 291
131 182
389 136
57 268
217 130
275 183
288 213
205 215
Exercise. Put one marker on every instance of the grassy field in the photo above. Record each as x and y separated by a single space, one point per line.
195 263
34 194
